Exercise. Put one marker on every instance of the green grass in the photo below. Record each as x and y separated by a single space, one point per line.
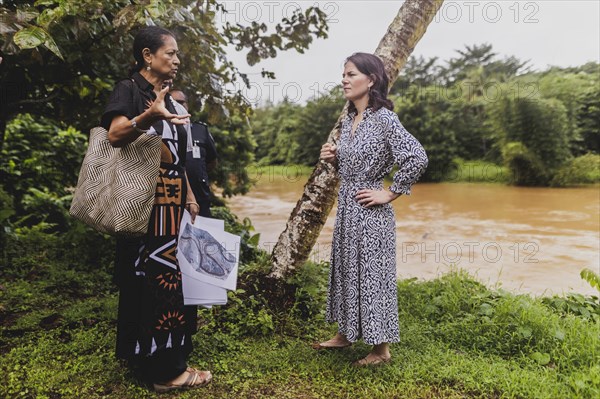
458 340
477 171
580 171
463 172
259 172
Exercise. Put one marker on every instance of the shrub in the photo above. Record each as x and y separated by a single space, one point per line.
525 167
581 170
42 154
467 316
533 136
248 240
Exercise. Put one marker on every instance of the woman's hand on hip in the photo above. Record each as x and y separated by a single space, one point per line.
328 152
369 198
158 109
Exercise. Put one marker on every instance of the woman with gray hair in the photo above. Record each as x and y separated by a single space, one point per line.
154 328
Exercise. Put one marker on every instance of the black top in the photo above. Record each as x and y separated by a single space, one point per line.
196 167
124 101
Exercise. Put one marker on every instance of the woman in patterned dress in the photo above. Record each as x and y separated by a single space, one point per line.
154 327
362 294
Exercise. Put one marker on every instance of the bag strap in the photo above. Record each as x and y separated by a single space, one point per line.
137 99
188 128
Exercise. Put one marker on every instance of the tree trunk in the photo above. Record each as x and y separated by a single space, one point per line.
308 217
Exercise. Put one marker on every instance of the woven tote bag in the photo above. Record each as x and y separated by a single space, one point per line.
116 186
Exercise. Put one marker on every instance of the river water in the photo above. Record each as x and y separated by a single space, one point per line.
534 240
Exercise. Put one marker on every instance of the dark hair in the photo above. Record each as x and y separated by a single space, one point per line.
173 90
151 37
372 66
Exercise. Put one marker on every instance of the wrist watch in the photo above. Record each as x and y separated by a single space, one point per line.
134 125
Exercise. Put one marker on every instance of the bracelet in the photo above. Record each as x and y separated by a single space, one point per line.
191 202
134 125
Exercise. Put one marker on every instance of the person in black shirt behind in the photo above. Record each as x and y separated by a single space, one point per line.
201 160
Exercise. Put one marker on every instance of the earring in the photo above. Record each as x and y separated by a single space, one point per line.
148 68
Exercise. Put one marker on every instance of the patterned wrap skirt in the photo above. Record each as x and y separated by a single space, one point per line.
152 316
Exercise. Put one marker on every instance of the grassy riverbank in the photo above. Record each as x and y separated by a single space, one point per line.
579 172
459 340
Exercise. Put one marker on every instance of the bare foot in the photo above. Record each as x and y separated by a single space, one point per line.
373 359
339 341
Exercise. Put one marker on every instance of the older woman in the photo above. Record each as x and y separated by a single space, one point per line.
154 327
362 295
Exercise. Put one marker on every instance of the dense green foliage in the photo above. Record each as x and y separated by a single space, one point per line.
292 134
89 42
532 134
235 146
39 162
425 111
581 170
60 60
588 120
475 107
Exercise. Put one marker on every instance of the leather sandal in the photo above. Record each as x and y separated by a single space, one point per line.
195 379
373 361
319 345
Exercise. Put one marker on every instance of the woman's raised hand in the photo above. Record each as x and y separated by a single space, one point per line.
328 151
158 109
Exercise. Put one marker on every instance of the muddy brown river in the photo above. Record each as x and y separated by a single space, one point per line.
534 240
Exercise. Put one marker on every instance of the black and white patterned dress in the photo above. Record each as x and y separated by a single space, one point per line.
362 295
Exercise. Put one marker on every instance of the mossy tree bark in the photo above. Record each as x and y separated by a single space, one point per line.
308 217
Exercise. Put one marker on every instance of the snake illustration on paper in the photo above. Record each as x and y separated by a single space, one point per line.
205 253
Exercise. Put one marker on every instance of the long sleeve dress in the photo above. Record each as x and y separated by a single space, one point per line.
154 327
362 295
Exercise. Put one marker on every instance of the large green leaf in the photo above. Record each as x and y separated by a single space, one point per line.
591 277
540 358
34 36
50 44
30 37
